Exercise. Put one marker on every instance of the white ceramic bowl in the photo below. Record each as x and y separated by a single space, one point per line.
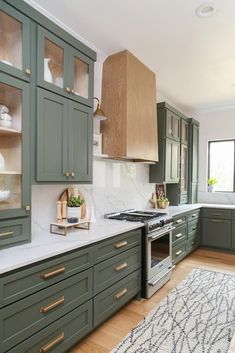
4 195
5 123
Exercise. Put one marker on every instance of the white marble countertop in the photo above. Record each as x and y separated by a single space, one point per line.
45 245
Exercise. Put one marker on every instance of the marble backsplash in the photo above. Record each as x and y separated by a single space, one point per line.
216 197
116 186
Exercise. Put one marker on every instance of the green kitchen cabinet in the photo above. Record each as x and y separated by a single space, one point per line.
184 127
193 159
63 69
172 161
184 172
15 42
233 234
172 125
216 233
64 139
15 171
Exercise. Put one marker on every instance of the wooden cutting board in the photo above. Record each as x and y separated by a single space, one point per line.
65 195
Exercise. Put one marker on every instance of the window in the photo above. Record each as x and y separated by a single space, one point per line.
221 164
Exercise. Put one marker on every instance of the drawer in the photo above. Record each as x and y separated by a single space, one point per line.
193 242
179 234
183 199
62 334
233 214
179 252
14 231
113 298
191 216
216 213
110 247
178 221
112 270
25 282
193 227
20 320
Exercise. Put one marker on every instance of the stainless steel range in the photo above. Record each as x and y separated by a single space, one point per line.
157 244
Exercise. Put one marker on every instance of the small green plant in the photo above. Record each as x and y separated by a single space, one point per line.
163 198
75 201
212 181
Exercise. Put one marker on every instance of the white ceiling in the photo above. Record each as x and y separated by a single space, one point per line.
194 59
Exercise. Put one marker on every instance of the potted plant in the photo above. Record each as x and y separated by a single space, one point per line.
162 202
211 182
74 207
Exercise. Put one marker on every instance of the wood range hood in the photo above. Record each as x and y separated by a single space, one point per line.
129 102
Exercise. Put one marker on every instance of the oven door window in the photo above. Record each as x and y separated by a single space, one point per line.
160 249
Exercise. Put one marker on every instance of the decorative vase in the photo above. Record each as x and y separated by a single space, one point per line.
47 71
74 212
210 188
2 162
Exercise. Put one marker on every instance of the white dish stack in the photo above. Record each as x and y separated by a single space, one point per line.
5 118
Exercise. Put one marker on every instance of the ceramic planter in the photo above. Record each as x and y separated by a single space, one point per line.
210 188
162 204
74 212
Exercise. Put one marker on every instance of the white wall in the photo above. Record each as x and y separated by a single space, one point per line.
214 125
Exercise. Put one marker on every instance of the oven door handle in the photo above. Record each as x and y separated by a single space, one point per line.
167 230
159 279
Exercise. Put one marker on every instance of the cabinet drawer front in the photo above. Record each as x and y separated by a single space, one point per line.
233 214
193 227
216 233
61 334
193 215
193 242
179 252
24 282
180 220
216 213
108 248
113 298
112 270
24 318
183 199
14 231
179 234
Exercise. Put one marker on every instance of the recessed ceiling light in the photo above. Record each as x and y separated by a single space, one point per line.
205 10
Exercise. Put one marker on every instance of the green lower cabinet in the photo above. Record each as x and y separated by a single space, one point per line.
216 233
62 334
29 315
14 231
109 301
179 234
233 235
64 139
179 252
193 241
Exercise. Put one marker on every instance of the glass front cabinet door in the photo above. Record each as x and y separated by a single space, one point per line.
14 42
14 148
62 69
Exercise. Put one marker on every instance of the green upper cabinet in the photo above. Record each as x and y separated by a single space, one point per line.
15 42
64 139
14 148
184 131
172 125
172 161
184 169
193 159
63 69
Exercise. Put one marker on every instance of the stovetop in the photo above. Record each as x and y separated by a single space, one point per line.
152 220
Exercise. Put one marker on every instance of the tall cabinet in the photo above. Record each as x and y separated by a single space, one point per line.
14 127
193 159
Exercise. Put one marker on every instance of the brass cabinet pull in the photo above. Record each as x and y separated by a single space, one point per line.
28 71
179 235
45 309
72 91
53 273
194 228
216 214
121 294
193 242
121 267
194 215
72 174
6 234
120 245
179 221
27 208
52 343
67 174
216 221
178 252
68 89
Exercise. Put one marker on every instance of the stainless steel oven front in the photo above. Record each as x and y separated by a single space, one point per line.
158 258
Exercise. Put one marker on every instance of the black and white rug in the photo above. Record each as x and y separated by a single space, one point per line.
198 316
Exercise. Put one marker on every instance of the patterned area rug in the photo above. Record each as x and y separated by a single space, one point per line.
198 316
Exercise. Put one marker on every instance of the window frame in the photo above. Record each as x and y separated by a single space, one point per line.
209 158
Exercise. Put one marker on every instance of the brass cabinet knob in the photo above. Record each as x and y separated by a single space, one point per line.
67 174
68 89
27 208
72 91
72 174
28 71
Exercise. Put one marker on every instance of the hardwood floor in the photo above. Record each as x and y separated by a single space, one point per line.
108 335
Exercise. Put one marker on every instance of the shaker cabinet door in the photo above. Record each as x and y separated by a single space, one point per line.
80 142
172 161
15 42
172 125
52 136
216 233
